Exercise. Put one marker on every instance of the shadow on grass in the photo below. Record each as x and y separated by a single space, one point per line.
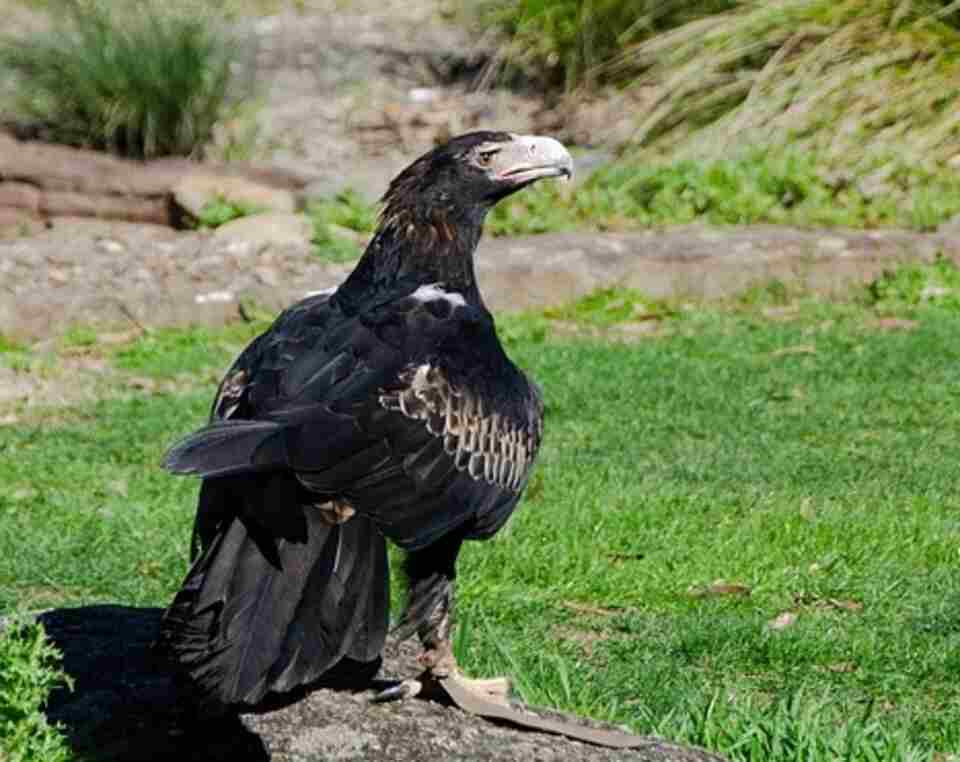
126 705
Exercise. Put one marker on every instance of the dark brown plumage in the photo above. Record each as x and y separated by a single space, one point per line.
385 409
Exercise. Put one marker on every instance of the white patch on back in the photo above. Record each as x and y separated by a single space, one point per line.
433 292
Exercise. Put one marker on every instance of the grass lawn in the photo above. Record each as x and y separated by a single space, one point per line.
744 531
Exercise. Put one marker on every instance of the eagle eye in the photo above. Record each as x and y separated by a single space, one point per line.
485 156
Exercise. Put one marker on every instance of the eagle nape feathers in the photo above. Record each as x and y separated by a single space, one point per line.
384 409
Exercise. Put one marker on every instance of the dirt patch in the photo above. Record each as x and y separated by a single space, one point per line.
354 91
585 640
119 276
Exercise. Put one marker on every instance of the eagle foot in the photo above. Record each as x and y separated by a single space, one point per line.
443 680
403 690
494 690
491 689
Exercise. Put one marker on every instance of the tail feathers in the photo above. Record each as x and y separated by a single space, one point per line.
244 625
228 447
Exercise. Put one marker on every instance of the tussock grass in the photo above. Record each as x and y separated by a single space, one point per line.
566 42
142 79
857 81
860 98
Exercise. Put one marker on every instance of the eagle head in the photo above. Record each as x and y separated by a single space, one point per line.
472 172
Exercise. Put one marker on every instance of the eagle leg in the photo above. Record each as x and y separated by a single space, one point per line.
440 665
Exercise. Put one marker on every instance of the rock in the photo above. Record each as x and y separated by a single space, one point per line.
57 167
125 707
195 191
110 246
20 196
61 168
264 230
57 181
369 182
104 206
55 202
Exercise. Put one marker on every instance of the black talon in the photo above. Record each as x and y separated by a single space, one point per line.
402 690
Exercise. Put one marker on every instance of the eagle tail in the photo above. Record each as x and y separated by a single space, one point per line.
261 613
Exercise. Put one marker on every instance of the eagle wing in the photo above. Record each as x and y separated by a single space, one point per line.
406 409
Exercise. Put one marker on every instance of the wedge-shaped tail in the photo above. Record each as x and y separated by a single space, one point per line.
262 613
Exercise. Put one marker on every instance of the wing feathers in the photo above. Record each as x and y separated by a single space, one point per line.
484 442
226 447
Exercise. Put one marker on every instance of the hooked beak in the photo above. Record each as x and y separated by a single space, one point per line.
530 158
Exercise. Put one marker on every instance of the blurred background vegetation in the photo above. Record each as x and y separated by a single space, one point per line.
803 112
142 79
810 112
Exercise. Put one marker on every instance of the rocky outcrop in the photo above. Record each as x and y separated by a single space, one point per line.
126 708
270 229
51 181
195 191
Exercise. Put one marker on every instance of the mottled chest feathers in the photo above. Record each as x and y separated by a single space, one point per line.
482 441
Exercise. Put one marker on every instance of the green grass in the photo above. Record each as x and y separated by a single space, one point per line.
152 82
801 452
9 345
908 287
186 352
762 186
29 670
221 211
